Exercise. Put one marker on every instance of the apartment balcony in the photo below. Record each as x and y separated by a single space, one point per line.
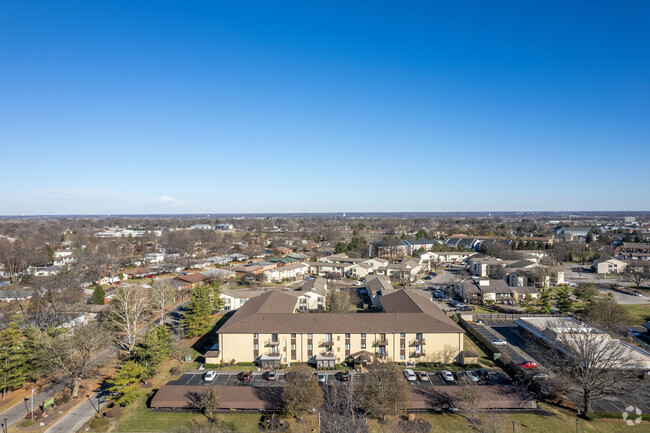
380 343
271 343
417 354
420 342
325 343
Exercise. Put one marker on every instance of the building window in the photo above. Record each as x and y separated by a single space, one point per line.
347 347
293 347
402 346
347 335
363 345
256 335
309 336
402 335
309 346
402 356
293 356
256 346
328 338
293 335
363 335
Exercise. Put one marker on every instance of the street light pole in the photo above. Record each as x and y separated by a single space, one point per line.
576 426
32 403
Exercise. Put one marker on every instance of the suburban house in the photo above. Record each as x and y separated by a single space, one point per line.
310 300
269 330
234 299
633 251
188 281
481 291
609 266
378 285
46 271
470 244
446 256
138 273
413 245
405 271
288 272
346 266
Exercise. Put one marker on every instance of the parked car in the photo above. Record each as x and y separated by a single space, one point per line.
409 375
422 375
272 375
209 376
419 282
321 377
472 376
540 376
499 342
245 376
358 283
447 375
528 365
343 376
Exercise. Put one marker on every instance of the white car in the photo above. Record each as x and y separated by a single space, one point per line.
209 376
419 282
409 375
499 342
321 377
358 283
447 375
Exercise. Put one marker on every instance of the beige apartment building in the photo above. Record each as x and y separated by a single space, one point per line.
270 330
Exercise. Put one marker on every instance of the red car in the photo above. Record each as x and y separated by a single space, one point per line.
528 365
245 376
149 276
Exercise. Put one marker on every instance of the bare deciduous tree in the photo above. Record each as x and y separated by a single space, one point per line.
589 361
162 296
384 391
70 355
467 401
606 314
637 273
129 310
301 393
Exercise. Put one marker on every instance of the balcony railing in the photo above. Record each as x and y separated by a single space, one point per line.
325 343
417 354
380 343
271 342
419 342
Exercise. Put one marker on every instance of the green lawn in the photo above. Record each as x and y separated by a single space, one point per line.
471 343
557 421
640 312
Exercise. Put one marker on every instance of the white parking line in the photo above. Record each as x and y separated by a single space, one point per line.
190 379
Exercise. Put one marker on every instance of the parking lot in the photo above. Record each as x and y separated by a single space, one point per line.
506 330
258 379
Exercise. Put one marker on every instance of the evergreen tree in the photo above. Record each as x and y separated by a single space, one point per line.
98 295
564 302
196 321
155 347
340 248
124 386
31 347
216 301
545 302
12 357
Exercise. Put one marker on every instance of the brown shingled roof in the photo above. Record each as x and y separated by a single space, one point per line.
273 312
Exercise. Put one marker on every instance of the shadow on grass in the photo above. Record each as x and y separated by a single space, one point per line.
208 339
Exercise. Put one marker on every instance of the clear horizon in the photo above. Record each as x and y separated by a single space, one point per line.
115 107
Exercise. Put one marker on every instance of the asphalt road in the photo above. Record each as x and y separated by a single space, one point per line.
78 416
19 411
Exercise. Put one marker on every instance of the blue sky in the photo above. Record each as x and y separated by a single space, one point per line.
175 107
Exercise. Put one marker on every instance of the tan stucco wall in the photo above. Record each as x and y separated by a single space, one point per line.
437 347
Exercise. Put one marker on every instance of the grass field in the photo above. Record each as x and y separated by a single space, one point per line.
640 312
556 421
